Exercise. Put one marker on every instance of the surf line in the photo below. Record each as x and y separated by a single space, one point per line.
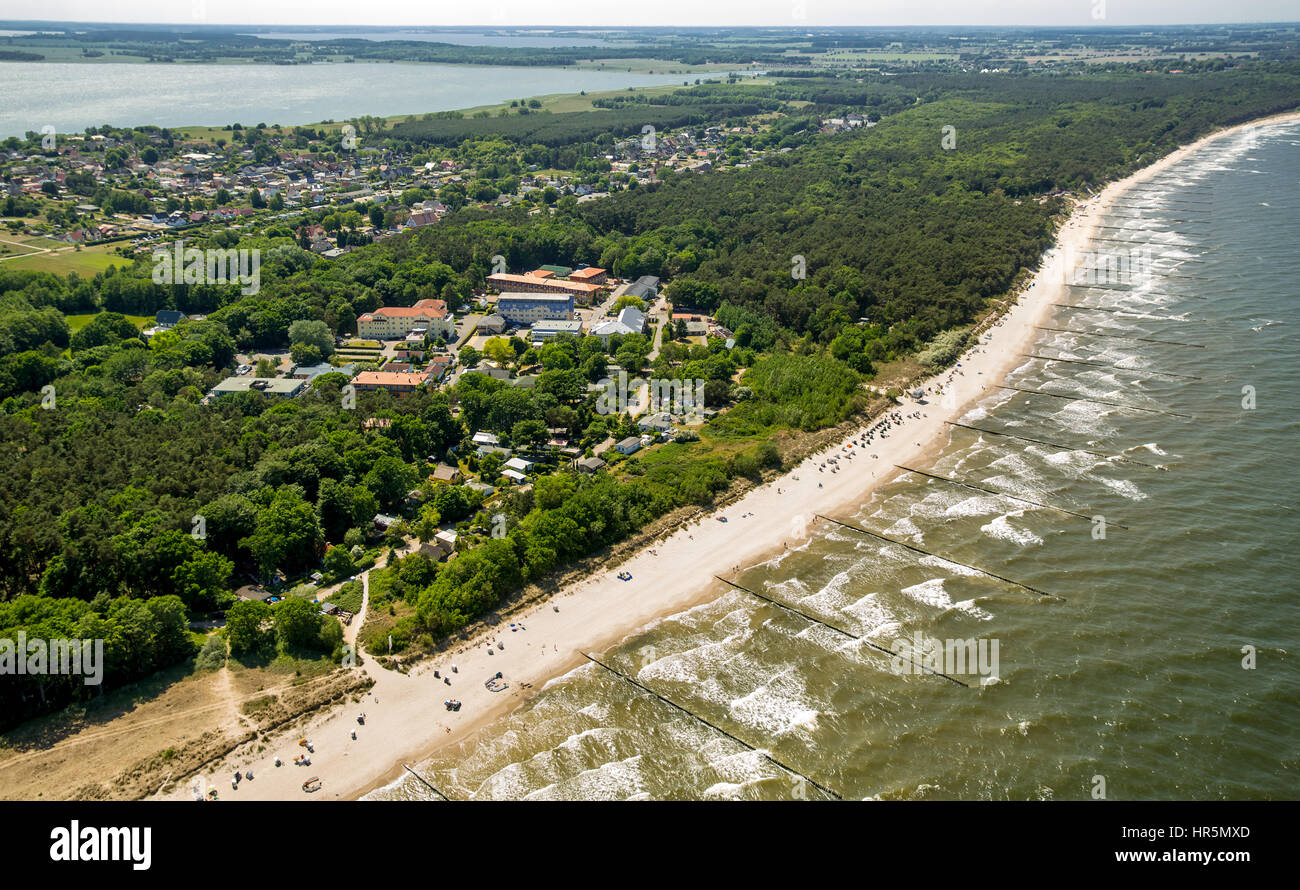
1135 312
1057 445
1129 290
1168 203
937 556
691 714
1003 494
1040 392
407 766
1119 337
1079 361
1161 217
1164 195
1165 231
838 630
1129 242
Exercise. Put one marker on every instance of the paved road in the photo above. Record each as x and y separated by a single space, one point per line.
661 315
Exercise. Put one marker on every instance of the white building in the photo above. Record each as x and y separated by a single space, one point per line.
630 321
395 322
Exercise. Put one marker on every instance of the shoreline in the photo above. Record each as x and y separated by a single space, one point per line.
405 720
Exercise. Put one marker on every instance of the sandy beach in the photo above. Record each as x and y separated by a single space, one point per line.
405 717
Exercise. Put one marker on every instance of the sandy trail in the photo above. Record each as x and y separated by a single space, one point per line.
405 717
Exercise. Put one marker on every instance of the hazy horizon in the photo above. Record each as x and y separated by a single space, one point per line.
681 13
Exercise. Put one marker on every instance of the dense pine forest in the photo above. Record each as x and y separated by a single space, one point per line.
109 456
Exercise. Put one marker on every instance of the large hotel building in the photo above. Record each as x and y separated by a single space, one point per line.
581 291
395 322
525 309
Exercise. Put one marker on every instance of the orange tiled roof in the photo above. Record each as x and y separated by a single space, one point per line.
572 286
389 378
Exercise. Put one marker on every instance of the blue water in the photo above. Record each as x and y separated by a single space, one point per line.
72 96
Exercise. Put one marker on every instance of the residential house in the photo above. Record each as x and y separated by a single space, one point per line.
417 220
522 465
656 424
437 549
438 367
398 382
445 473
492 324
164 320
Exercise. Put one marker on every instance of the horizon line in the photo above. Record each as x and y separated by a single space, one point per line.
613 27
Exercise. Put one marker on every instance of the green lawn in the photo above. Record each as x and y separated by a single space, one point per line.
87 261
77 322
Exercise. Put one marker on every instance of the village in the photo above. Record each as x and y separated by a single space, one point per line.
130 189
401 350
122 194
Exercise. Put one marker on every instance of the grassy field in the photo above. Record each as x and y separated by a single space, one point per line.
859 57
77 322
656 66
88 261
71 53
555 102
43 241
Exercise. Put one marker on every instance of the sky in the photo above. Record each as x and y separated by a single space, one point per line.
659 13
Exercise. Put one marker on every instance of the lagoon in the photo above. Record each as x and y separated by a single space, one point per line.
72 96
